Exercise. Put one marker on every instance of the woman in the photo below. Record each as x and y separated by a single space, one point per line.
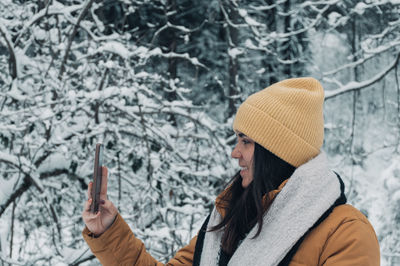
284 207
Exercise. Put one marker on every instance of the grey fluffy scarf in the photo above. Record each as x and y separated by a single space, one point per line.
309 192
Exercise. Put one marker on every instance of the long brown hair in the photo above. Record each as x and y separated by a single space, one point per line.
245 205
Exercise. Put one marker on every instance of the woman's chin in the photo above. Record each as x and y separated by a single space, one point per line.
245 182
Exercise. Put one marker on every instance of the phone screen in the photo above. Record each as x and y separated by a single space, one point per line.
97 178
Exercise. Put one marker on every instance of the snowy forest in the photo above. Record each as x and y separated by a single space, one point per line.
158 83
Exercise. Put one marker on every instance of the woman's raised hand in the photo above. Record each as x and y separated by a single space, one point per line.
99 222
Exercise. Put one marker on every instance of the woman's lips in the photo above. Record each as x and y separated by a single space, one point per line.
244 170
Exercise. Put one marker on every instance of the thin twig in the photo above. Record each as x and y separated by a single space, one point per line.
396 76
146 139
10 46
72 36
353 86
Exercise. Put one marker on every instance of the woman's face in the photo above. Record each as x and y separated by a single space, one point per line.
244 152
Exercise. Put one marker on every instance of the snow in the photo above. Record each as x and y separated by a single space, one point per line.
234 52
146 101
39 34
247 18
168 129
261 71
242 12
71 255
72 95
396 198
55 8
385 199
252 22
55 161
353 85
157 51
186 209
392 184
249 44
15 92
142 74
127 92
163 233
7 187
189 154
391 176
331 40
53 33
109 64
360 8
116 48
4 231
46 113
179 27
110 91
4 30
141 51
8 158
10 261
86 169
61 46
333 17
90 83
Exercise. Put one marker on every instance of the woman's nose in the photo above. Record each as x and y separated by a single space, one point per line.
235 153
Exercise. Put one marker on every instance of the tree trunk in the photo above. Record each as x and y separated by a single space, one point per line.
232 37
283 46
172 62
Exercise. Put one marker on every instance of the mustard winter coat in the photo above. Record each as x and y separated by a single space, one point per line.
345 237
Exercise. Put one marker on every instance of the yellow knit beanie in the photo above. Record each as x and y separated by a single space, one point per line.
286 118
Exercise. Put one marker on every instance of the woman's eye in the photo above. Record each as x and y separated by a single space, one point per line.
245 141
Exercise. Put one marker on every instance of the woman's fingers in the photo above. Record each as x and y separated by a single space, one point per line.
89 191
86 214
86 208
103 191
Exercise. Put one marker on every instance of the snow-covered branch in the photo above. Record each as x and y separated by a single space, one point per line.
9 261
95 71
57 9
369 55
352 86
13 60
85 9
177 27
227 19
186 56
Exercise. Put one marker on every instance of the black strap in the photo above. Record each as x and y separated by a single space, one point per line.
199 242
341 200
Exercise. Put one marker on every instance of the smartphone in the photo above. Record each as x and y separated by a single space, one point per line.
97 178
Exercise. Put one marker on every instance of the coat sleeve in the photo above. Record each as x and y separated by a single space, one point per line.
119 246
352 243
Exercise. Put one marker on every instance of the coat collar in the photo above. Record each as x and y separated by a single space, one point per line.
301 201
